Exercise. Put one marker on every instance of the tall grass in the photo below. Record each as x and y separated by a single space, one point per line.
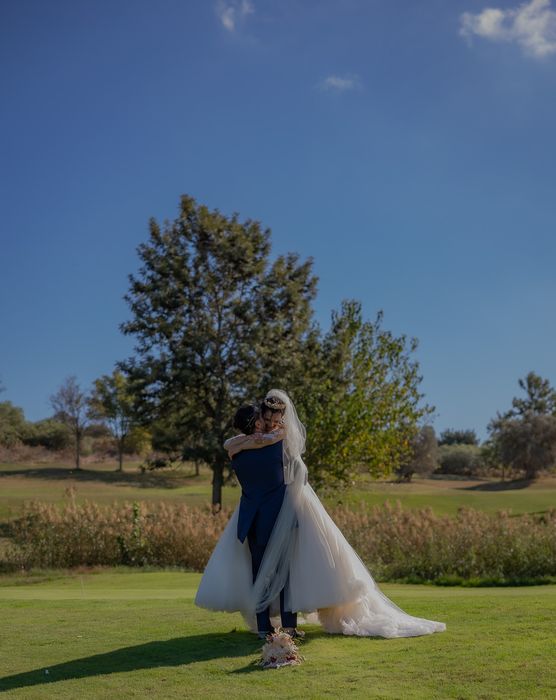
395 543
417 545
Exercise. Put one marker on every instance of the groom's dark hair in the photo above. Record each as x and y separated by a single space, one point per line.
245 418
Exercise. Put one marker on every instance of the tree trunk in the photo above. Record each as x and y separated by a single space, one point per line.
120 457
217 480
197 468
78 451
530 472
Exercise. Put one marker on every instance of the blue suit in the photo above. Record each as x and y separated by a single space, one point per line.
261 475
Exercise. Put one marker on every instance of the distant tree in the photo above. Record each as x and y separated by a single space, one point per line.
70 406
362 406
540 398
112 402
13 425
215 321
423 459
527 444
524 438
458 437
138 441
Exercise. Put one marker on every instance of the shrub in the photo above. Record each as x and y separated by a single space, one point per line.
463 460
48 433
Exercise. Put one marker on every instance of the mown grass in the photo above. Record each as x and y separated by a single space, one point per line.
101 484
138 635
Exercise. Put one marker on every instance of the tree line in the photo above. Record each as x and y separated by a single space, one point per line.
217 321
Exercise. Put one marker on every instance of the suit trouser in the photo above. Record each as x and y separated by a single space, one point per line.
257 538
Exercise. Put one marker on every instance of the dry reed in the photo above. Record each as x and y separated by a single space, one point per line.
396 543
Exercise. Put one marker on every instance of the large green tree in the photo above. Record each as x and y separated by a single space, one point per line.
364 406
215 322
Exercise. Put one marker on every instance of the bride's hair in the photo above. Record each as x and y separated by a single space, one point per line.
246 417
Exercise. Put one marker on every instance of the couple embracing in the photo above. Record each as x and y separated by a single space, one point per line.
281 553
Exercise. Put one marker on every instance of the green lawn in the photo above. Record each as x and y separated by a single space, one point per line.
100 483
138 635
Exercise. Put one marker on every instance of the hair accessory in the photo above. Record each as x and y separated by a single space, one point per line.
274 403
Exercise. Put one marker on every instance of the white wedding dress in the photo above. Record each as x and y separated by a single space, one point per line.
326 581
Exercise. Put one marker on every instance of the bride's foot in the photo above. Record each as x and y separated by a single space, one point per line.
294 633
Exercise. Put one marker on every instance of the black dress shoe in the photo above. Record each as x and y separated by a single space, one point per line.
294 633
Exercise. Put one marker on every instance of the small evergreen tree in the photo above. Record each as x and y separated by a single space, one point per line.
524 438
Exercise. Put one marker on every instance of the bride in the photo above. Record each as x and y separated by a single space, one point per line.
308 557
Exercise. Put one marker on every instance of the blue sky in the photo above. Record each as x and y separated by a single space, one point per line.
407 147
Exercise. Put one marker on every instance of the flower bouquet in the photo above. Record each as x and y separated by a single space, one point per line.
279 650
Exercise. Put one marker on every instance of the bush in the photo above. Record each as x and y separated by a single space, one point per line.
463 460
48 433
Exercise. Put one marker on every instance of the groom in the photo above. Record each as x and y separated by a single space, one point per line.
261 475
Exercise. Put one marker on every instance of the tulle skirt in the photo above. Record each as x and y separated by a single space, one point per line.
328 583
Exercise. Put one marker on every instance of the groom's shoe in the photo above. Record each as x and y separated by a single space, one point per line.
294 633
264 635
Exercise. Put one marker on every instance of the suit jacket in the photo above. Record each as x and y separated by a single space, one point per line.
261 475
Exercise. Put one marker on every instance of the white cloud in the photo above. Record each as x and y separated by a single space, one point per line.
232 12
532 25
336 83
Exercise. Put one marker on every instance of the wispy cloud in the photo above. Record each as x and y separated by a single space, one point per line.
338 83
233 12
532 25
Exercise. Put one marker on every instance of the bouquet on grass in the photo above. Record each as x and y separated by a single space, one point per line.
279 650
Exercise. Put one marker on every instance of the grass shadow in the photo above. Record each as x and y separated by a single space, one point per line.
115 478
179 651
515 484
